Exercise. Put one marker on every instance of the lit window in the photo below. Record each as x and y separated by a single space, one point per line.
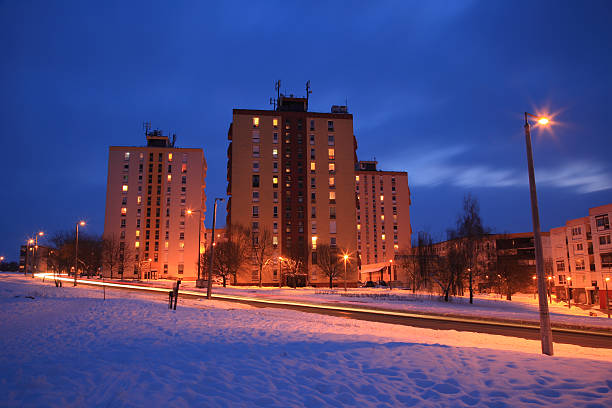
396 247
314 242
275 122
275 153
332 195
255 122
274 180
137 233
356 178
123 211
169 177
125 187
126 156
139 199
382 217
137 244
312 166
181 244
382 197
275 238
331 153
332 182
358 227
382 237
166 244
169 157
332 167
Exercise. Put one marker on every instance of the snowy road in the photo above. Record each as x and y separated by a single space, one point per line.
67 347
525 330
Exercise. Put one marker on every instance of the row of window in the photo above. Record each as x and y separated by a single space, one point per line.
256 121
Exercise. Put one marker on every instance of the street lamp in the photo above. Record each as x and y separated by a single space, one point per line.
607 296
567 287
534 285
390 271
212 250
545 328
189 212
35 266
27 256
280 276
76 250
345 257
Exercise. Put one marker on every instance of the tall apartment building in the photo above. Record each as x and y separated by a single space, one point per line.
149 191
293 172
582 257
383 213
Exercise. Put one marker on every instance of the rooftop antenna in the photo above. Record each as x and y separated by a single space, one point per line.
308 91
273 102
146 126
277 86
173 139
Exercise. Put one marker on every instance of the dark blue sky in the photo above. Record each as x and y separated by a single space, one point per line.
437 88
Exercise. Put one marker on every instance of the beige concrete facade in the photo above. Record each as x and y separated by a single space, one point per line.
582 256
293 172
149 191
383 213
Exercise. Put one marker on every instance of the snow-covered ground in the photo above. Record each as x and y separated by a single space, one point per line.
523 307
69 347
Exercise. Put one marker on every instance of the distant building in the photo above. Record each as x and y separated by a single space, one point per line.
383 213
293 172
582 257
149 192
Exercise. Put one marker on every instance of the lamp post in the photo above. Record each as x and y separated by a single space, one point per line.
550 286
27 256
535 288
212 250
35 266
280 276
199 240
545 328
345 257
390 272
567 287
76 250
607 296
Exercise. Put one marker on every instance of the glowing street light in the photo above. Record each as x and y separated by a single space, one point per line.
545 328
40 234
345 258
280 276
567 287
76 250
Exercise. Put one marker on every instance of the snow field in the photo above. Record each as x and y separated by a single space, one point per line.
68 347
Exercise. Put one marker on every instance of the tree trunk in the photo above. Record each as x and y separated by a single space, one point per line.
224 281
331 282
260 274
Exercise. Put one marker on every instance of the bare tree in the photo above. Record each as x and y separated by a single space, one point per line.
111 253
126 258
263 250
234 253
448 269
470 232
329 262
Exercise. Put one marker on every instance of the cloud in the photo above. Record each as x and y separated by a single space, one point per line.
439 167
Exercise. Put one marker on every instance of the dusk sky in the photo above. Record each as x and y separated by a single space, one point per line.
437 88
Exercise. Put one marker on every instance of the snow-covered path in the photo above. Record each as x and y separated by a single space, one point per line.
69 347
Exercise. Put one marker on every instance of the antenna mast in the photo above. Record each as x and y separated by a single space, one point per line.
146 127
308 91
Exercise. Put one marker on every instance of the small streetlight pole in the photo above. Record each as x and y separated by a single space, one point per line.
280 276
76 251
545 327
35 266
199 240
27 256
535 287
607 296
567 286
345 257
212 251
